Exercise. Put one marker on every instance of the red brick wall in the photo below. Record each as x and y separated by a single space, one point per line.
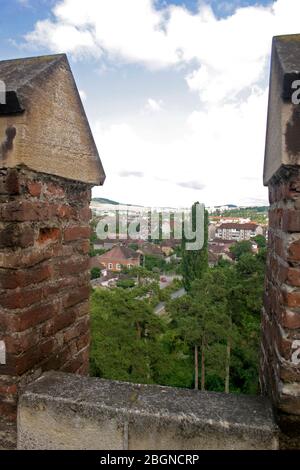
280 367
44 278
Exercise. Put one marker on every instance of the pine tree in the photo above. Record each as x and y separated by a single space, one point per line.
195 262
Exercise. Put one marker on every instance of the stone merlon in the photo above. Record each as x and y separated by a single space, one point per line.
283 141
43 125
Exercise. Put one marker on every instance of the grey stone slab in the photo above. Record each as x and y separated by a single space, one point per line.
66 411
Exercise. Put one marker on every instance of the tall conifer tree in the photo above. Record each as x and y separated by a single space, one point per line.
194 262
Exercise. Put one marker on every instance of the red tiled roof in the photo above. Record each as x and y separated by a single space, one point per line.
149 249
118 253
221 241
218 249
231 226
212 257
94 262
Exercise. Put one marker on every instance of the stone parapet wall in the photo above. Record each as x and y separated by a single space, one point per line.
44 278
64 411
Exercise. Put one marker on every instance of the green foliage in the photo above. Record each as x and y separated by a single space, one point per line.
97 252
255 214
260 240
223 307
133 246
143 275
194 262
223 263
262 255
172 267
164 294
175 285
93 237
125 337
178 250
95 273
239 248
126 283
158 264
247 264
221 311
152 262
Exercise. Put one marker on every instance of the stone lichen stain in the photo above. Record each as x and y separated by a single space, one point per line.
292 136
7 145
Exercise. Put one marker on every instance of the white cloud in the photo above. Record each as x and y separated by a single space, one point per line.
137 32
197 185
153 106
215 158
225 64
130 30
232 53
128 173
62 37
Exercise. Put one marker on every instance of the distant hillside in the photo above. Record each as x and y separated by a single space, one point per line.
103 200
257 214
259 209
231 206
232 210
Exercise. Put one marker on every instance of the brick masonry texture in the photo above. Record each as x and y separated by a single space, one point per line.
280 363
44 279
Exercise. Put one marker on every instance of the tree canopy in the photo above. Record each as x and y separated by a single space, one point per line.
220 316
194 262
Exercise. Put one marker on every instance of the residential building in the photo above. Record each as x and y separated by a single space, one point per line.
167 250
116 258
217 245
238 232
211 231
150 249
220 249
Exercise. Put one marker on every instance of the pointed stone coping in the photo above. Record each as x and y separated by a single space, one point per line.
52 135
66 411
283 126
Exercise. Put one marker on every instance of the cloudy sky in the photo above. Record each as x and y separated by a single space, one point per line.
175 91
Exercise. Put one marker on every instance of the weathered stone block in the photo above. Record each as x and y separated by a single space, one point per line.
64 411
52 134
